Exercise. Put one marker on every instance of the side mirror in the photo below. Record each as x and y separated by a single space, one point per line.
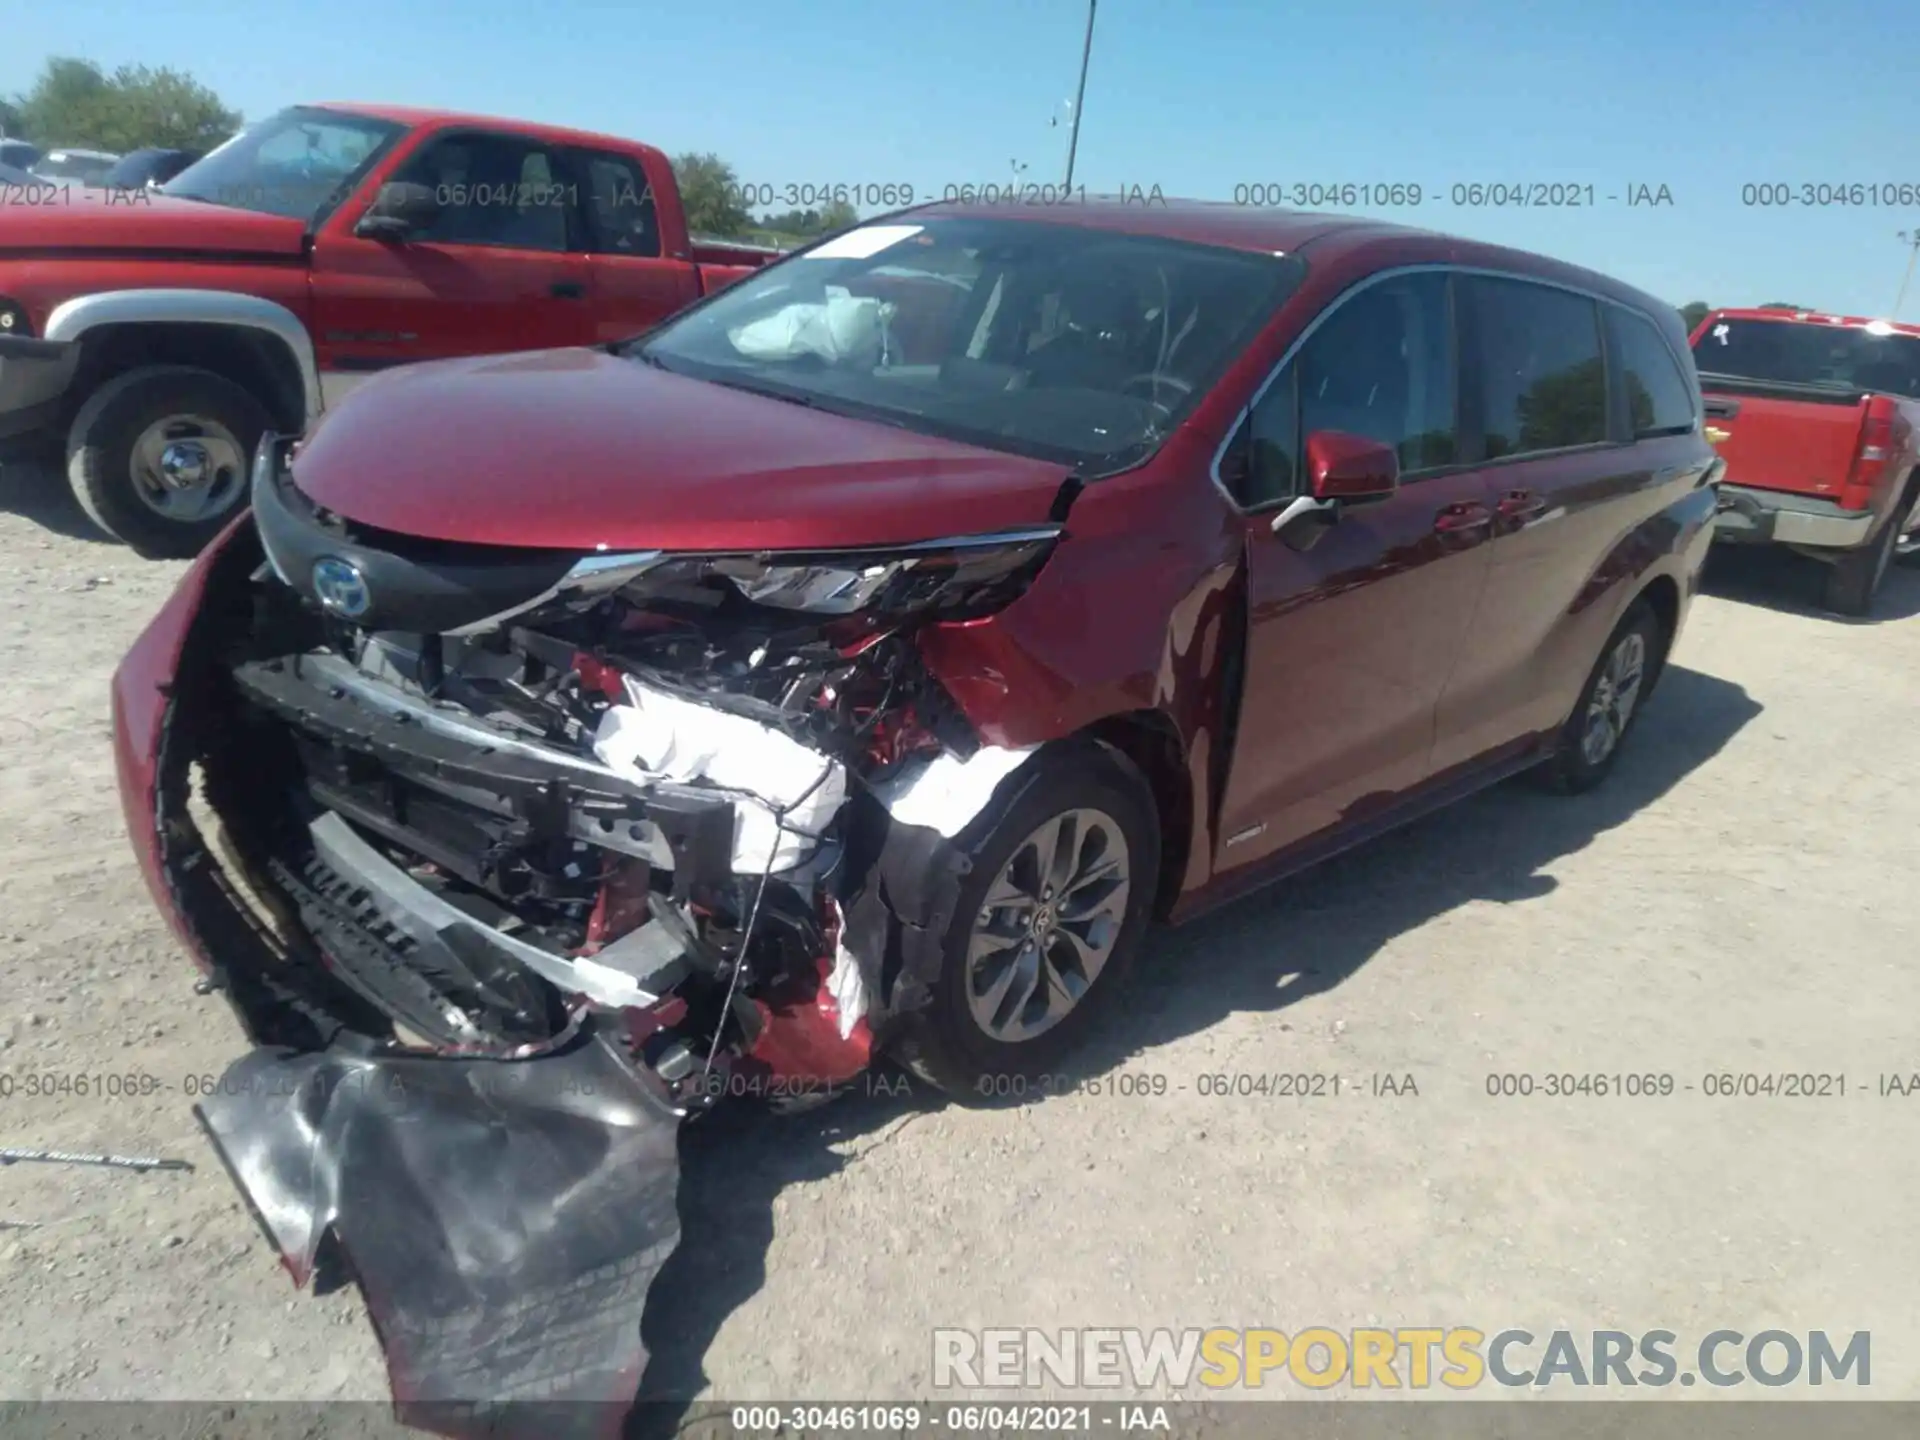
399 211
1350 468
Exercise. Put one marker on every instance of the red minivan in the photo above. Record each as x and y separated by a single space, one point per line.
776 690
860 660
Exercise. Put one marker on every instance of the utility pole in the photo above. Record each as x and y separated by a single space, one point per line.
1086 52
1911 239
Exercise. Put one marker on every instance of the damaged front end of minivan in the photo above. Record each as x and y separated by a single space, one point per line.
508 860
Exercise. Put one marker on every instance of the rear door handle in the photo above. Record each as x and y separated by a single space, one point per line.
1517 507
1466 520
567 290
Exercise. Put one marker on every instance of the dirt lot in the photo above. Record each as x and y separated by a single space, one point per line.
1739 898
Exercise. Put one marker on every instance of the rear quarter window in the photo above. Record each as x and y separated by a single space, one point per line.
1659 397
620 209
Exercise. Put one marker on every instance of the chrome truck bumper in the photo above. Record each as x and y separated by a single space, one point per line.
1759 517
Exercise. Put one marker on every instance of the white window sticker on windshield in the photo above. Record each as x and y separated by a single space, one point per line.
1720 332
867 241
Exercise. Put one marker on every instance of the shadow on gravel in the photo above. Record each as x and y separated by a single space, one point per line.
37 491
1301 937
734 1164
1778 579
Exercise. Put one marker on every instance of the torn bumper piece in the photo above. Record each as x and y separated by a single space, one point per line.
504 1219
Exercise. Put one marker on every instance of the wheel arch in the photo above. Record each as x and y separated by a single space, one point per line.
1662 595
1150 742
257 344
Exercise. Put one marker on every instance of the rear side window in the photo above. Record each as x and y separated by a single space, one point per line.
1659 399
1543 381
620 212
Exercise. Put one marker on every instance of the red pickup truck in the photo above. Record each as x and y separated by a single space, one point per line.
1818 419
161 333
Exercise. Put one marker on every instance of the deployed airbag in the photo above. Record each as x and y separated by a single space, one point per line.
504 1219
844 327
787 793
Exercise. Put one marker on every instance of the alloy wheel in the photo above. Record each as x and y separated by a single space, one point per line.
1048 925
1615 692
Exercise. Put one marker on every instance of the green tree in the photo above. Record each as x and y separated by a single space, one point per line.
791 222
1782 305
65 104
11 126
839 215
74 102
1692 313
811 224
710 194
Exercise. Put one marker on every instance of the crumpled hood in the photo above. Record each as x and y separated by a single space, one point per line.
140 220
579 449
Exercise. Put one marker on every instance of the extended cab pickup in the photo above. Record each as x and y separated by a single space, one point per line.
160 333
1818 420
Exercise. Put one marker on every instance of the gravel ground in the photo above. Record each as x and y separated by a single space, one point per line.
1738 898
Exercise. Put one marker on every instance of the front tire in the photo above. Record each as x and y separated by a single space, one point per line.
159 457
1609 703
1048 923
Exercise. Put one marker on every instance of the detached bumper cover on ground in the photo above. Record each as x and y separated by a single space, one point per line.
503 1218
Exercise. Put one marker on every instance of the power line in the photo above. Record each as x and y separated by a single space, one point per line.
1086 52
1911 239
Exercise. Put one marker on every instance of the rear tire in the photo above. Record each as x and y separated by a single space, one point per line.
1106 803
138 441
1854 579
1609 703
1906 548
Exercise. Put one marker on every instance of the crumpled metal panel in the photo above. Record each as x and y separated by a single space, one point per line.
504 1219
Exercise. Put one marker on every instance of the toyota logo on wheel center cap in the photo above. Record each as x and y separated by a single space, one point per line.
341 588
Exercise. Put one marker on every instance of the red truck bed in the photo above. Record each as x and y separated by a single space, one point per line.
1818 420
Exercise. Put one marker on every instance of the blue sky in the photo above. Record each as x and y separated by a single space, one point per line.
1196 96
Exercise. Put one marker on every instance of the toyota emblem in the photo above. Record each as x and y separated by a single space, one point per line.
341 588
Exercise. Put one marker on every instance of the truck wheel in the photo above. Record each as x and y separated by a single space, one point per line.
1854 579
159 457
1906 547
1047 925
1609 703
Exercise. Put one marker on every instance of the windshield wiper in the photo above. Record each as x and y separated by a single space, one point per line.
792 397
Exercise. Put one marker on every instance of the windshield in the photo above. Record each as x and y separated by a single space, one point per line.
1811 353
298 163
62 165
1046 339
144 167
